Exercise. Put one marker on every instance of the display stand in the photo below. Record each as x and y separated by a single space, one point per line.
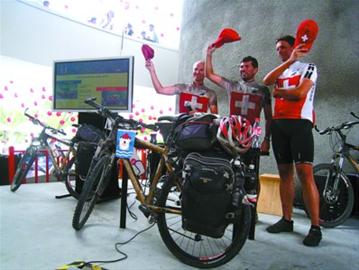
123 199
112 191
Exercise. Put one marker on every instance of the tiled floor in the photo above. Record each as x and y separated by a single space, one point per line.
36 233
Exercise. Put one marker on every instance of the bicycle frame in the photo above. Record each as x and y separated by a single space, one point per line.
147 200
337 162
42 143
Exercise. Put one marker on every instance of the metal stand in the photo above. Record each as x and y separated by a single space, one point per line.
123 199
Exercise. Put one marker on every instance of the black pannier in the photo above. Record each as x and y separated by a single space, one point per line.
88 133
197 133
206 194
85 152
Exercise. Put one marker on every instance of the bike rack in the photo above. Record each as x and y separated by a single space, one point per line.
12 165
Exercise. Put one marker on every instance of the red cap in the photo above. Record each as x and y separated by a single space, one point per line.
227 35
307 32
147 52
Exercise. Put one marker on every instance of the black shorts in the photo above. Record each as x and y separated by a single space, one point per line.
292 140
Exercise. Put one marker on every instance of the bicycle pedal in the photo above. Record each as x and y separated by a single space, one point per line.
152 218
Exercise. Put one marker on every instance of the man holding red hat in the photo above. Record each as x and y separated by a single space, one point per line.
194 97
246 96
292 124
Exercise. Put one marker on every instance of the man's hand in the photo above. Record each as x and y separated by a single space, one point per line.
149 65
211 48
265 147
277 93
298 52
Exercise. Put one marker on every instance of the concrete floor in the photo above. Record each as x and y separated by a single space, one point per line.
36 233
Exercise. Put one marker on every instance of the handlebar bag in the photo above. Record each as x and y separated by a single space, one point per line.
196 133
206 194
88 133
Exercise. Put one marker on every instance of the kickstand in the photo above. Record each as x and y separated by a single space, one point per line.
62 196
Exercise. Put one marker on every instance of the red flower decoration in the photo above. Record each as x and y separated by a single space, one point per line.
49 113
58 113
62 122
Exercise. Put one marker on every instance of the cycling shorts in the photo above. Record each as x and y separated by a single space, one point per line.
292 140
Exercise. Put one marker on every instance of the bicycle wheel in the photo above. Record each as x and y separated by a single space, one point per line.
195 249
94 185
69 177
23 167
335 207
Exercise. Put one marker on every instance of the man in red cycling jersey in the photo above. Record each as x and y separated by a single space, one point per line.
194 97
246 96
292 137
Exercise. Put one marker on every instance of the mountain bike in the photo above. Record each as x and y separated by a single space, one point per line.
62 160
335 189
161 202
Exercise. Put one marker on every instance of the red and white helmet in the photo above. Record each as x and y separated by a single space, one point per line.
235 134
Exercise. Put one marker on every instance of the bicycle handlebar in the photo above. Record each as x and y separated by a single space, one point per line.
345 125
353 114
102 110
36 121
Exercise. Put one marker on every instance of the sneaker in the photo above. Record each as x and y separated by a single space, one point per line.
313 238
282 225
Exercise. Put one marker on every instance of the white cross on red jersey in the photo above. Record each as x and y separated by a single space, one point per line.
291 78
189 102
245 104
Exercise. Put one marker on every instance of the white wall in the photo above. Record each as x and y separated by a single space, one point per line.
37 36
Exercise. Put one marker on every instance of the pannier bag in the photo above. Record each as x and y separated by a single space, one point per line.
198 133
85 152
206 194
88 133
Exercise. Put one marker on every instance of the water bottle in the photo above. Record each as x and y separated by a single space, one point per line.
238 192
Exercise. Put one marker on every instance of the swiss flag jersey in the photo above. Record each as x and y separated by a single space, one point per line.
291 78
245 104
190 102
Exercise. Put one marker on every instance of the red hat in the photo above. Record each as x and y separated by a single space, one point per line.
307 32
227 35
148 52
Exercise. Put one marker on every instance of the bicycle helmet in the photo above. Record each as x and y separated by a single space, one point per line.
235 134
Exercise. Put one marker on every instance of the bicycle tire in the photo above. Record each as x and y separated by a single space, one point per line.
69 177
23 168
333 212
198 250
90 192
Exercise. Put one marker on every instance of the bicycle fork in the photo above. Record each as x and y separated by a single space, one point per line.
331 190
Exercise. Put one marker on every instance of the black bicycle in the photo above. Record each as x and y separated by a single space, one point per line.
335 189
50 141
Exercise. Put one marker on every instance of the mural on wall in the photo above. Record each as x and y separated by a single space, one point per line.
157 21
26 85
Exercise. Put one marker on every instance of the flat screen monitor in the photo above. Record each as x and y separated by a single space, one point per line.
109 80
